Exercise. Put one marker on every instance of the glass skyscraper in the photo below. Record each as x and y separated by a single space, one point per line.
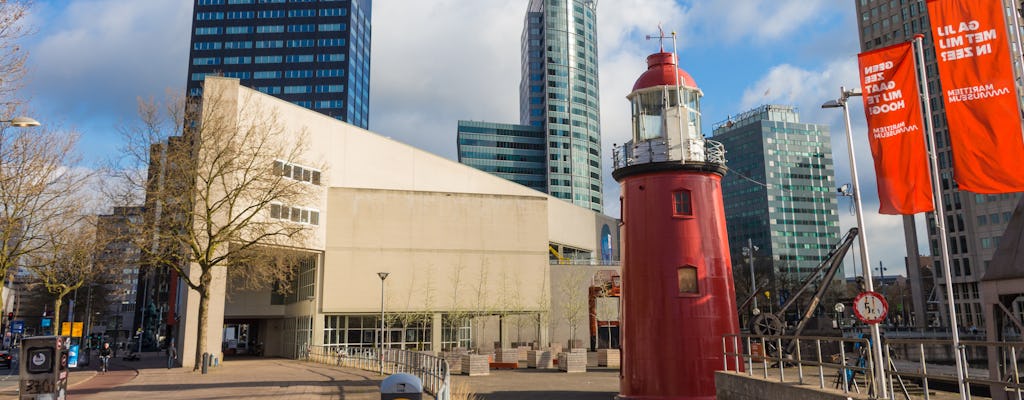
559 93
314 53
513 152
780 189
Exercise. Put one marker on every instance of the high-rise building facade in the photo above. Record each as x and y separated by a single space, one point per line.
120 256
559 97
974 222
779 192
559 92
513 152
314 53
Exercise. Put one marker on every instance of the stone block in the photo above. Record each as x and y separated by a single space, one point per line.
540 359
506 356
522 352
611 358
475 365
572 362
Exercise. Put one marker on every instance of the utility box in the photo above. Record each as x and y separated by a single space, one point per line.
401 386
43 367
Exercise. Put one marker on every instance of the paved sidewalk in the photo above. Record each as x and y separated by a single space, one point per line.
239 378
281 379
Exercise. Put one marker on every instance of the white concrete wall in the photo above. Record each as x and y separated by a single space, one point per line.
444 251
453 238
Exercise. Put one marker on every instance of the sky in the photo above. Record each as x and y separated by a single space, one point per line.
438 61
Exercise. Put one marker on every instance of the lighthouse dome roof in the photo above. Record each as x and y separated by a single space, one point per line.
661 71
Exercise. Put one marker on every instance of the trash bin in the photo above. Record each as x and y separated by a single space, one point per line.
401 386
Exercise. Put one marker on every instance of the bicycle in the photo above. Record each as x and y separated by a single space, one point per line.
104 363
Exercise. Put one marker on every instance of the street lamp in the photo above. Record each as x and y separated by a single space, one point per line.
380 353
876 343
881 273
21 122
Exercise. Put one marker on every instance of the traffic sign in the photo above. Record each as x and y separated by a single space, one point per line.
870 307
18 327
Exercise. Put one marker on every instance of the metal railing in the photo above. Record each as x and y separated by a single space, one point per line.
433 371
623 156
843 363
929 363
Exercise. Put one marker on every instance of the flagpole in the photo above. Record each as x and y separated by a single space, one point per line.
939 212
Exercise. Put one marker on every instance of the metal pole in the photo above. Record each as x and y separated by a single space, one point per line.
753 281
939 213
876 342
380 355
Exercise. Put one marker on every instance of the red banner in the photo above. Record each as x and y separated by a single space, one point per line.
892 105
973 56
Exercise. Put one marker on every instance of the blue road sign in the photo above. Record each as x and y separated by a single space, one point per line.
18 327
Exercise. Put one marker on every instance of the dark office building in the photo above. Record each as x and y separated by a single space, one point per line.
513 152
314 53
793 217
975 222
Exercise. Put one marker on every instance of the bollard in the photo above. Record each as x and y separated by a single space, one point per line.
206 362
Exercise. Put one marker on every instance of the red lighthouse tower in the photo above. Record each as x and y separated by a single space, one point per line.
677 290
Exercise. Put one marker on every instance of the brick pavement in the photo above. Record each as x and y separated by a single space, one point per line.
282 379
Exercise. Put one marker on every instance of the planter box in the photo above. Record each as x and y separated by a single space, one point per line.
475 365
572 362
523 350
506 356
540 359
609 358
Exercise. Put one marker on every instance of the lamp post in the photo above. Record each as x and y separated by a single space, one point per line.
18 122
21 122
876 343
380 353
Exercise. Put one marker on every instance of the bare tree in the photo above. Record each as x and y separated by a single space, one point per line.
222 195
38 188
12 55
573 290
67 261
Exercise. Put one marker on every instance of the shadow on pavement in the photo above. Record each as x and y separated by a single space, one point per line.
548 395
218 385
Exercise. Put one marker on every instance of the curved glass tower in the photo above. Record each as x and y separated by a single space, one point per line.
559 93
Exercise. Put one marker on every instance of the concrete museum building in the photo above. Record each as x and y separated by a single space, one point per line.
473 260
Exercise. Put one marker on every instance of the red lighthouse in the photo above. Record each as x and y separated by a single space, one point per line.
678 298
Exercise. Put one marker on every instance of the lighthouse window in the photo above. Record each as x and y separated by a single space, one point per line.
687 280
681 203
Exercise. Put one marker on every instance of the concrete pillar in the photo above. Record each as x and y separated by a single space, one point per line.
503 327
436 327
190 318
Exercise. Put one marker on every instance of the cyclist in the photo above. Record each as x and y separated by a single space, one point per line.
105 353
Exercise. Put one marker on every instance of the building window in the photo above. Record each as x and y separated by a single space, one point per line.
681 203
687 276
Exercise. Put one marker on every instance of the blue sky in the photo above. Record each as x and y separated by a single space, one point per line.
435 62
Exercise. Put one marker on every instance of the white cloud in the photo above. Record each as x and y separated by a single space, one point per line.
89 60
808 89
761 21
